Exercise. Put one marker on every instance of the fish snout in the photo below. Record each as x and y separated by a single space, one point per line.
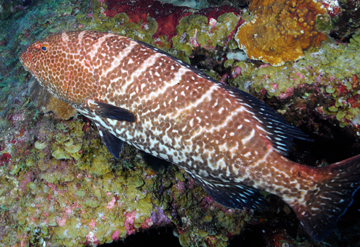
25 60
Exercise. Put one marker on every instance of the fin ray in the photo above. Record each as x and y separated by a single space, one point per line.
112 143
281 133
105 110
232 195
326 205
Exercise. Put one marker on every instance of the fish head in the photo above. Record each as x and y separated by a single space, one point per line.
60 65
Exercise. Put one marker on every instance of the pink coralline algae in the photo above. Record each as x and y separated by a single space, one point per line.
26 179
129 222
116 235
332 7
111 204
91 239
16 118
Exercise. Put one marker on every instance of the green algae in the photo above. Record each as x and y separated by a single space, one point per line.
57 176
135 181
92 202
180 176
40 145
207 218
329 67
118 24
60 154
196 30
324 23
184 239
99 165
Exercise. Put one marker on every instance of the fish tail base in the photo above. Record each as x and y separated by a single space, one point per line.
331 199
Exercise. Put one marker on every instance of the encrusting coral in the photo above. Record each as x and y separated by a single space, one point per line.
280 31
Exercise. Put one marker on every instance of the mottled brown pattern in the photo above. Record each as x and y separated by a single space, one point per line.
215 133
170 109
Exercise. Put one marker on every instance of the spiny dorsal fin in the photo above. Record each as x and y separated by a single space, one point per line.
279 132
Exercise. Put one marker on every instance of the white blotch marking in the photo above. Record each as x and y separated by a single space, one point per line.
98 44
247 154
248 138
65 37
150 61
227 120
117 60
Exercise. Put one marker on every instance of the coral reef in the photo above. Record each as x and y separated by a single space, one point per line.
332 71
197 31
348 22
59 185
280 31
10 7
69 191
164 25
166 16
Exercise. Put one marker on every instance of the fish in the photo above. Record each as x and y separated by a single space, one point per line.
228 141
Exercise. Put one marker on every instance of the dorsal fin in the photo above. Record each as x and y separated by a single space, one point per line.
279 132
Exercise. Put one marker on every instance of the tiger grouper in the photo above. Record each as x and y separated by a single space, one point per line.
228 141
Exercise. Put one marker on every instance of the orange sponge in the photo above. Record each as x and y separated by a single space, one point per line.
280 30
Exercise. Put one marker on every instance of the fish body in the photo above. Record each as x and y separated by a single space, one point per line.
228 141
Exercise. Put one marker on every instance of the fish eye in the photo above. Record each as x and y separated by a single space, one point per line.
44 48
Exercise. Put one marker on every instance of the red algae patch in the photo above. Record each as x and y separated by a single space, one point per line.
166 15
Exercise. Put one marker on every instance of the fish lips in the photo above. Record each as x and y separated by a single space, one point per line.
25 60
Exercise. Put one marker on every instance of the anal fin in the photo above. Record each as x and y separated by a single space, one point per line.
112 143
231 194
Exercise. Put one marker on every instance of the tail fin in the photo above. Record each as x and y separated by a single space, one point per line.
329 202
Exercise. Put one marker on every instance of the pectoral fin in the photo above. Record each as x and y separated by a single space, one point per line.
105 110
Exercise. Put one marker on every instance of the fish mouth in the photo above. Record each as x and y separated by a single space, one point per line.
25 60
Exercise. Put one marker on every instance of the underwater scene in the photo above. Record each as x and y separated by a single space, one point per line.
179 123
